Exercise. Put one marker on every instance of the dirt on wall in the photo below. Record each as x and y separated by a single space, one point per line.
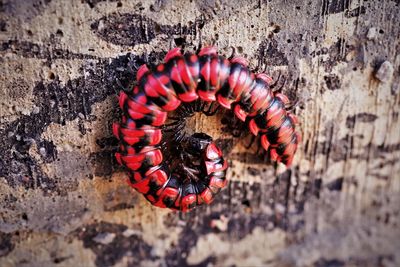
64 199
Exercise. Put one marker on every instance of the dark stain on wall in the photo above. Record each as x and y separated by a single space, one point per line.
329 263
28 49
335 185
332 81
226 145
109 253
59 103
6 246
334 6
337 53
268 51
132 29
104 162
93 3
240 205
188 238
3 25
356 12
24 10
360 117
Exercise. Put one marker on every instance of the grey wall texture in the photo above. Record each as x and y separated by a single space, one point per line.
65 202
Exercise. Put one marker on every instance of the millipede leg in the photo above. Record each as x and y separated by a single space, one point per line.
258 67
192 172
116 91
233 53
118 81
189 110
276 81
135 65
293 105
211 113
197 106
215 111
199 47
180 136
253 138
259 149
186 110
169 125
174 118
132 65
182 112
210 106
131 69
180 127
283 84
175 127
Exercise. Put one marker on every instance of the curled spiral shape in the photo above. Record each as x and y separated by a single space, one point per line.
195 81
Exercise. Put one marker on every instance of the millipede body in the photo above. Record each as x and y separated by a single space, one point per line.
191 83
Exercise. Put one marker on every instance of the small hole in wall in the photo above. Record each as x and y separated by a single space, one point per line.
24 217
381 31
157 28
246 202
60 33
289 41
119 4
277 29
179 41
51 75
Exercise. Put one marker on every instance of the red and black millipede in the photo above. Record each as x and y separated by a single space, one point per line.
204 77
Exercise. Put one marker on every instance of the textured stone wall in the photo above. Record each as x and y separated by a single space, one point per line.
64 200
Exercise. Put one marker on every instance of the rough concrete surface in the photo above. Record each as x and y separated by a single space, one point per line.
64 200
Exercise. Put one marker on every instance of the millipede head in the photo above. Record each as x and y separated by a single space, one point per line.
197 143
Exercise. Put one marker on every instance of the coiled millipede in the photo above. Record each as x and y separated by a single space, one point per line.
196 83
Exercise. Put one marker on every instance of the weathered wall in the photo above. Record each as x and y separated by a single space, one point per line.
64 201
